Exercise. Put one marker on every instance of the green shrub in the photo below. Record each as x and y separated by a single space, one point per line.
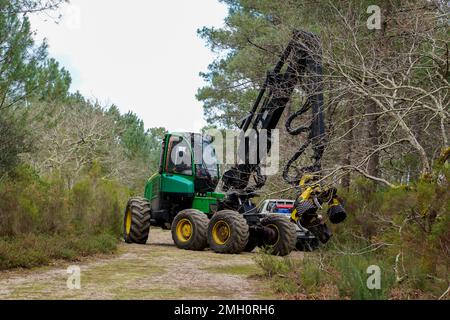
412 223
273 265
291 276
311 276
43 219
352 280
34 250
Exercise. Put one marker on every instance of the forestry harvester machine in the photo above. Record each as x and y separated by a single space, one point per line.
182 196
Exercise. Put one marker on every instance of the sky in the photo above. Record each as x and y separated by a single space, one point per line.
141 55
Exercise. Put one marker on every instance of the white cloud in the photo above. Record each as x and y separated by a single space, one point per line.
142 55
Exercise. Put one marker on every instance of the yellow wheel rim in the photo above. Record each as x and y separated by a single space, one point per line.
128 221
275 228
184 230
221 232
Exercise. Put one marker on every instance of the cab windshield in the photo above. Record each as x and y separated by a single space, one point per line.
209 166
207 170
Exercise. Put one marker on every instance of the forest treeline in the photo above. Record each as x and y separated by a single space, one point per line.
67 164
387 119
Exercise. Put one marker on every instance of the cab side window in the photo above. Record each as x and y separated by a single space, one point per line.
178 159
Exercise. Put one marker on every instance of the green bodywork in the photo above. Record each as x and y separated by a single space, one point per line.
179 184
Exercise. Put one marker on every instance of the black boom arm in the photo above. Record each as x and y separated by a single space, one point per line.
299 65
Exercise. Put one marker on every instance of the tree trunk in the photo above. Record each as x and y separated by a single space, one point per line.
373 139
347 146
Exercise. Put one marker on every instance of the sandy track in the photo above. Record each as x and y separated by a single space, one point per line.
157 270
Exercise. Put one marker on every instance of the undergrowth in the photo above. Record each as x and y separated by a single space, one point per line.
45 219
405 232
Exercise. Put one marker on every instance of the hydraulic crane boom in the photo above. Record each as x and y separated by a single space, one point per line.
300 64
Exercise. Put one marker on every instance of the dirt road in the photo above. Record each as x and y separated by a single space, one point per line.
157 270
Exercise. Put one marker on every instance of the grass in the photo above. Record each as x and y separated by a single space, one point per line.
336 276
403 231
161 293
244 269
273 265
352 279
28 251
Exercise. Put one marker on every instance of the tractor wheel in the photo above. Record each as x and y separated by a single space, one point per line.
228 232
283 240
189 230
136 224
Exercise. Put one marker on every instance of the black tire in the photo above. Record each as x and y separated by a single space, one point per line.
197 222
138 211
285 233
228 232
